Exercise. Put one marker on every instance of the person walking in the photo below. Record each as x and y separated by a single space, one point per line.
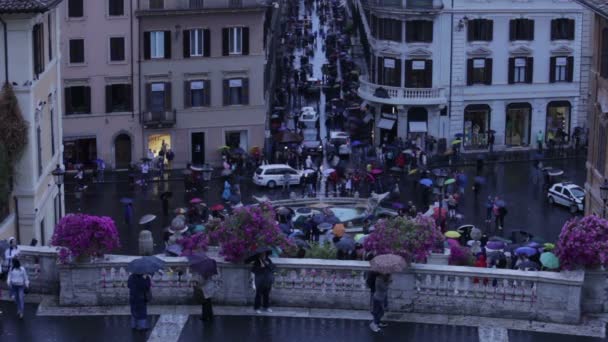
139 296
489 209
17 283
170 157
263 277
80 178
286 181
491 140
10 253
208 289
380 301
540 137
128 213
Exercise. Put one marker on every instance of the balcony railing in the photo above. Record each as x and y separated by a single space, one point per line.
158 119
155 6
400 96
411 5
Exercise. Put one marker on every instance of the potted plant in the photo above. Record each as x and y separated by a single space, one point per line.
583 243
82 236
410 238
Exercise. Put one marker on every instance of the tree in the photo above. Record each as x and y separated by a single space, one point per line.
13 132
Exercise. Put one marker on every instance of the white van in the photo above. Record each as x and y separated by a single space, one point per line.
274 174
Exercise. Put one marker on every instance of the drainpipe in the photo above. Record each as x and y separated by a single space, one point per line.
143 138
451 62
132 68
4 27
17 226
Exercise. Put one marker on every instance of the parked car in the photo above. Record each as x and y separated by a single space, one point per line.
313 86
309 119
567 194
342 139
311 143
274 174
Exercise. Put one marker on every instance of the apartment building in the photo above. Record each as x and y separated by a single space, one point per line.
29 60
447 68
99 78
597 109
202 76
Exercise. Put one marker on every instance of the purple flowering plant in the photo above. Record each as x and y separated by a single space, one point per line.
413 239
583 243
247 230
81 235
194 243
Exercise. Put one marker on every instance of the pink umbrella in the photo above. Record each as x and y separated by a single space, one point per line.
376 172
196 200
453 243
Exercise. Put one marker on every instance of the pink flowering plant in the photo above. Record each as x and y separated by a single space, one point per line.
583 243
247 230
194 243
413 239
81 235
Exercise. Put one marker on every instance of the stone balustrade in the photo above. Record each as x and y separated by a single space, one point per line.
42 269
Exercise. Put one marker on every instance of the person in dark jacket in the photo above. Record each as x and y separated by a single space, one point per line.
380 301
263 278
139 295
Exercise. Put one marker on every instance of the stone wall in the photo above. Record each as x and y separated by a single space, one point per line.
41 266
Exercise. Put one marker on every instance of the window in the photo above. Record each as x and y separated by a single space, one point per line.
52 116
38 48
50 37
156 4
561 69
390 29
197 93
419 73
116 7
480 30
195 4
157 44
118 98
76 51
517 124
479 71
77 100
39 149
521 29
236 91
117 49
558 122
389 71
562 29
235 41
604 54
476 126
601 143
520 69
75 8
197 43
159 97
419 31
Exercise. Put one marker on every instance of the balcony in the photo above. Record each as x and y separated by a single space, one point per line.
401 96
153 120
403 6
156 7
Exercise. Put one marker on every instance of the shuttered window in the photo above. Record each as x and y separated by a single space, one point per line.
561 69
76 51
419 73
390 29
197 93
419 31
562 28
236 91
117 49
75 8
604 54
521 70
157 44
38 48
118 98
235 41
197 43
77 100
158 97
480 30
521 29
116 7
479 71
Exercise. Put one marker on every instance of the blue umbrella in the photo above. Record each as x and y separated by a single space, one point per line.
202 264
458 135
500 203
426 182
126 200
356 143
480 180
527 251
145 265
398 205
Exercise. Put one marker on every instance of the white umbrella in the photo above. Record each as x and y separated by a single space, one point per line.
328 172
147 219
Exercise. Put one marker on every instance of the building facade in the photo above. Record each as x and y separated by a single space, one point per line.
30 57
201 76
468 68
597 108
101 119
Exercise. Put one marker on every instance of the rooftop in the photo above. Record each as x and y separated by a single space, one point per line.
26 6
599 6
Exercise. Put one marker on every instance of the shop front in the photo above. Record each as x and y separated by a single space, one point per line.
476 126
156 142
417 125
517 124
387 124
558 122
79 151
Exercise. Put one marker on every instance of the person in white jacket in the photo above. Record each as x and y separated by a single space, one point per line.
17 283
12 252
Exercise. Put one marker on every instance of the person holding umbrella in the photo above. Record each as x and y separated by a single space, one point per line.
262 274
164 197
384 265
207 268
139 296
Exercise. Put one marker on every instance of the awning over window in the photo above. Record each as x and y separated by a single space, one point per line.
418 127
386 124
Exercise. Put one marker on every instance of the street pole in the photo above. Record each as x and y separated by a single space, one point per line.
604 209
60 200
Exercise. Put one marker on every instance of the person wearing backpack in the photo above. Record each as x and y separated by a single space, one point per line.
17 283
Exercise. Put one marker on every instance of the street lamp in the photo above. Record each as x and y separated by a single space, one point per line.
441 177
58 175
604 196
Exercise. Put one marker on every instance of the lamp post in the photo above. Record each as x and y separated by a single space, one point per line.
604 196
58 175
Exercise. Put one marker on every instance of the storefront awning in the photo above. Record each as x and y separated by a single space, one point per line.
418 127
80 137
386 124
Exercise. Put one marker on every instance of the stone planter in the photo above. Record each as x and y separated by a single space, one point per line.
438 259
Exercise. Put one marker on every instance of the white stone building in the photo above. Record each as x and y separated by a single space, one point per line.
514 67
29 60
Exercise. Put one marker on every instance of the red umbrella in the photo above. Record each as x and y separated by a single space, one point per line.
217 207
196 200
444 212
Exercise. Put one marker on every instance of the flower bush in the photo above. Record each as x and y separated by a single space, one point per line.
194 243
583 243
248 229
81 235
413 239
461 256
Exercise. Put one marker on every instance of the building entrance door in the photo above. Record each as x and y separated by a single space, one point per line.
198 148
122 151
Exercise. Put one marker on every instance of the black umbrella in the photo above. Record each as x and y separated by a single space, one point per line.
166 195
346 244
251 258
331 219
529 266
203 265
145 265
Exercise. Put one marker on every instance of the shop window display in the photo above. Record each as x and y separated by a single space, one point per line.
517 130
558 122
476 126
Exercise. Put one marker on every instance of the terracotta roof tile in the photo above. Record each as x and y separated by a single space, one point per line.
23 6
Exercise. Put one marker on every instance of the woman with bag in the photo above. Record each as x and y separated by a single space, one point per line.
17 283
263 277
139 296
